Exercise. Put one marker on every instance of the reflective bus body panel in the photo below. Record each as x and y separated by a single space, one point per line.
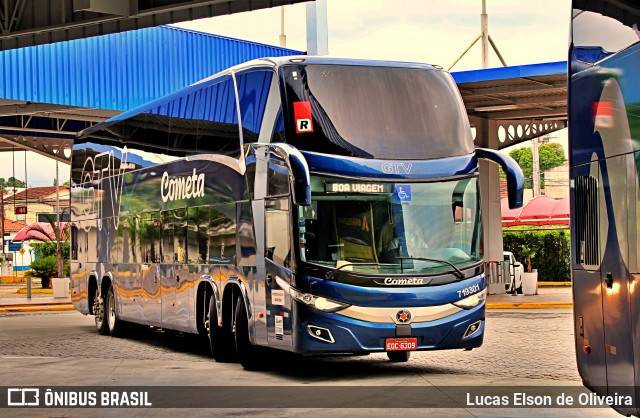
604 140
162 204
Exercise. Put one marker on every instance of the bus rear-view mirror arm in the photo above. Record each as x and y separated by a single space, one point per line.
298 167
515 178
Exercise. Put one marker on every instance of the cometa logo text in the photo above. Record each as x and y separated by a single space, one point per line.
186 187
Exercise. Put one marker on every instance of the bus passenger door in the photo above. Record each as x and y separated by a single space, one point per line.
615 276
277 264
277 252
272 217
176 295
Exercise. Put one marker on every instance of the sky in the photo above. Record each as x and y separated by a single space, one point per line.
431 31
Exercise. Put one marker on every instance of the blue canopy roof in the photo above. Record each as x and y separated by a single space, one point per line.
123 70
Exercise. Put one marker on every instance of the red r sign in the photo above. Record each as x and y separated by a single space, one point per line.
302 115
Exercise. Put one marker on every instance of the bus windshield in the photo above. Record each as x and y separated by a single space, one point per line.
386 228
376 112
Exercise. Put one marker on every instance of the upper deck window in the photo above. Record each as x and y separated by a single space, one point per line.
375 112
610 28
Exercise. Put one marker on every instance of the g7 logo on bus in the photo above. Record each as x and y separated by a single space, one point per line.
397 168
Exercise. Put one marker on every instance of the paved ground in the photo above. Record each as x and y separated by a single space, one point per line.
512 346
10 290
522 348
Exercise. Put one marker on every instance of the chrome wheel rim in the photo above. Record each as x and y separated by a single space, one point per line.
111 312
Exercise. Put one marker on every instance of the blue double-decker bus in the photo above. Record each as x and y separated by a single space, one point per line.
604 142
306 204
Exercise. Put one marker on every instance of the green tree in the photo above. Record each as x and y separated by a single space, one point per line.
551 155
14 182
44 268
11 182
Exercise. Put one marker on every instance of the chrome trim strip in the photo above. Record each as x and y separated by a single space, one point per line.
388 315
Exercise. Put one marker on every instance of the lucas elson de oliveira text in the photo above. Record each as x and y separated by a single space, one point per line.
524 399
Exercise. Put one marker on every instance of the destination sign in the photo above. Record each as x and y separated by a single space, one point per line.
347 187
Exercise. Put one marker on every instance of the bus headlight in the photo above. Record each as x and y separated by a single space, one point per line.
318 302
472 301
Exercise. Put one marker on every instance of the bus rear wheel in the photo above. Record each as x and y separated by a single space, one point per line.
99 315
250 355
115 326
220 338
398 356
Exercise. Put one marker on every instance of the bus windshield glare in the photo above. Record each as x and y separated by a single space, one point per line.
376 112
385 228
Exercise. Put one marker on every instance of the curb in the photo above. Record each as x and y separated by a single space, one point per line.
36 308
554 284
530 305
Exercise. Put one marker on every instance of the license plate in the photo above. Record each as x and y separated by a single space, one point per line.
401 344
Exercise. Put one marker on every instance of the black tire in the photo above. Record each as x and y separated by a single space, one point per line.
250 356
398 356
99 315
115 326
221 341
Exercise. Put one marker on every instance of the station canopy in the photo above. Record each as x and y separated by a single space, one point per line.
50 92
510 105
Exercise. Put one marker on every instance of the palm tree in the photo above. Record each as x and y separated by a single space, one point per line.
528 253
57 239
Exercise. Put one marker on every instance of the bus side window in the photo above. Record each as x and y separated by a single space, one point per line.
74 242
218 130
277 178
149 237
167 254
180 235
126 227
278 129
253 92
222 234
278 233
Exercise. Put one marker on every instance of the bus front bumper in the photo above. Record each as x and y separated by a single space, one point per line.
321 332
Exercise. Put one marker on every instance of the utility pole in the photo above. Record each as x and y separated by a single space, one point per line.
536 167
486 41
484 31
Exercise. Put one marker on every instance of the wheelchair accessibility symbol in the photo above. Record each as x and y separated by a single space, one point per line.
403 192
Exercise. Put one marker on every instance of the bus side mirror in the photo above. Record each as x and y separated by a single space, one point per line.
515 178
297 164
301 179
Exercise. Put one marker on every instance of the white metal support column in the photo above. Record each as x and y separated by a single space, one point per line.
317 31
487 132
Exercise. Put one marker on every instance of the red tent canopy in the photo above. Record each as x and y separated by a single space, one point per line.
541 210
509 216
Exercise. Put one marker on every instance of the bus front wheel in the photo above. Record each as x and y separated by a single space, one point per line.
250 355
398 356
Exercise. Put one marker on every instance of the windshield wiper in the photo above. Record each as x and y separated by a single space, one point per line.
457 272
330 274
